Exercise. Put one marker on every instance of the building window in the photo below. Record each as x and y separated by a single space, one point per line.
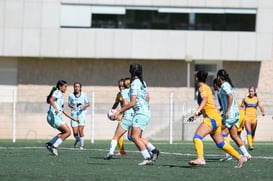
157 18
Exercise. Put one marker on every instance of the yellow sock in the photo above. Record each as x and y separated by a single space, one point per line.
120 144
198 144
227 140
249 140
253 137
231 151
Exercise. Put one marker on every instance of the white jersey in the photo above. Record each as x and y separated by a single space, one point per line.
59 101
140 91
125 93
224 91
78 101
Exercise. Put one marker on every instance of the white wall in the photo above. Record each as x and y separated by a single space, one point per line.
32 28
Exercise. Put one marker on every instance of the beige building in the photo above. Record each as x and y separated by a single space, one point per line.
94 42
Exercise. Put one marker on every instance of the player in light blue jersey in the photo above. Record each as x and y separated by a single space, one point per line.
139 101
126 120
78 102
54 116
230 109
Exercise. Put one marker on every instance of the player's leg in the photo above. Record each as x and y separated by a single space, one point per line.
225 133
219 140
137 138
234 135
75 129
202 131
151 148
249 134
118 133
65 133
120 144
81 135
253 129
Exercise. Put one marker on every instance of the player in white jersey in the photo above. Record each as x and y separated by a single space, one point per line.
230 109
78 102
139 101
54 116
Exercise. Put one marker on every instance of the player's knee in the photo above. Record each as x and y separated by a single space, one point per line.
221 144
197 136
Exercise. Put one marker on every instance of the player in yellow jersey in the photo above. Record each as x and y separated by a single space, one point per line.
250 104
119 101
211 124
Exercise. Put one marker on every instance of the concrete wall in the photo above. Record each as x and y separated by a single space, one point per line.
32 28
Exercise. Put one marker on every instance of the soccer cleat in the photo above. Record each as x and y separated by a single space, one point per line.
81 148
198 161
250 148
76 143
48 147
146 162
108 157
155 154
54 151
121 152
241 162
226 158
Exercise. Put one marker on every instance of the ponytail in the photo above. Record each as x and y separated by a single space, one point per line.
57 87
224 76
136 70
50 94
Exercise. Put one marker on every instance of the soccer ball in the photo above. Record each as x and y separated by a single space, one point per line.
111 114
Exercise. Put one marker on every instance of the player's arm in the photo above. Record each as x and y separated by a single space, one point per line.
261 108
127 106
70 105
201 106
70 117
242 104
115 105
51 101
230 99
87 104
148 98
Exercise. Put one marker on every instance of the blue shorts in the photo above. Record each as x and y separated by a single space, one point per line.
141 120
55 120
81 118
233 119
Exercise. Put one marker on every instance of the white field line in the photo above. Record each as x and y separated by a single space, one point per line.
106 150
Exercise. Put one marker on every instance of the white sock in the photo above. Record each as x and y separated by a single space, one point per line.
113 145
58 142
145 154
82 141
244 151
150 147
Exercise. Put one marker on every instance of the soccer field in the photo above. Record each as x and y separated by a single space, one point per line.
29 160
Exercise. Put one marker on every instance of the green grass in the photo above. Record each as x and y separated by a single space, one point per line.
29 160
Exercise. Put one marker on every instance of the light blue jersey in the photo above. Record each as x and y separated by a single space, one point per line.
137 89
125 93
142 113
59 101
78 101
55 120
234 111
